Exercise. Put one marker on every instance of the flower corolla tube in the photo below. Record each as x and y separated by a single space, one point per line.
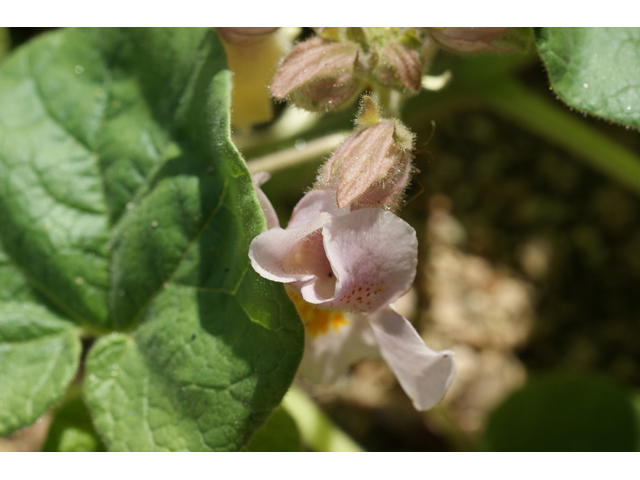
343 269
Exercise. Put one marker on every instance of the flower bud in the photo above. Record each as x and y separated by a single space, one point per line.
252 54
244 35
482 39
319 75
399 67
371 168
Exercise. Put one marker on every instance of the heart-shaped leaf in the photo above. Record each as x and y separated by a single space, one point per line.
39 356
126 204
595 70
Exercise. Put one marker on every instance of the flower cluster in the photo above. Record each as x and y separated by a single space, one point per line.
330 70
345 258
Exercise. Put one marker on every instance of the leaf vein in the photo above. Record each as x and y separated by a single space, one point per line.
169 279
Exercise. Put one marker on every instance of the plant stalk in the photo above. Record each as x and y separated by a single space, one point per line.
316 429
565 130
296 155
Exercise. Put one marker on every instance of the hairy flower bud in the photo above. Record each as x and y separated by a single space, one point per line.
482 39
399 67
329 71
319 75
371 168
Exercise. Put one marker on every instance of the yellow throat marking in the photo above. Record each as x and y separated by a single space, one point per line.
316 320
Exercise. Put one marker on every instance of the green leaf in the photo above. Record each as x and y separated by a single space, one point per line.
595 69
565 412
72 430
52 202
124 202
278 434
180 253
39 356
13 285
202 372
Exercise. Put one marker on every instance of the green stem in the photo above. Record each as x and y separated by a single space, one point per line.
565 130
384 98
292 126
293 156
317 430
390 101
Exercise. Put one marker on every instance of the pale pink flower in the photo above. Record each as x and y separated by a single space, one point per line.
343 269
328 72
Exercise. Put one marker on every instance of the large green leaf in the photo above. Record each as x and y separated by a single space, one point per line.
565 412
595 70
123 200
202 372
13 284
52 198
39 356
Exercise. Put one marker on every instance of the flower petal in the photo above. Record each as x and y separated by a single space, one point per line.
424 375
374 255
328 354
267 209
297 255
291 255
311 204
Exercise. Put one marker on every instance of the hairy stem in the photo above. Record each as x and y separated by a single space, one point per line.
318 147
